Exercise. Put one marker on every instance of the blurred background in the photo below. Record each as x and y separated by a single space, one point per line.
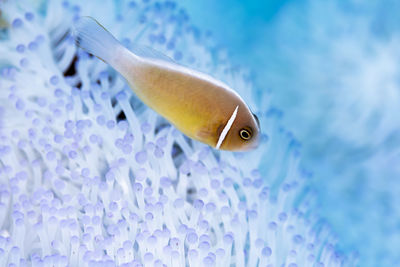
333 67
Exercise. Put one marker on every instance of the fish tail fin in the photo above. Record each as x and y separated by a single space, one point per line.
91 36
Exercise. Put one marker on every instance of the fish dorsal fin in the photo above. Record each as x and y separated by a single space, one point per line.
149 53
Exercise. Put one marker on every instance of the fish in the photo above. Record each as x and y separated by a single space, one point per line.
200 106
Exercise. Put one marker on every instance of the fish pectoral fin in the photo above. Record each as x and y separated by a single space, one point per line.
210 135
203 134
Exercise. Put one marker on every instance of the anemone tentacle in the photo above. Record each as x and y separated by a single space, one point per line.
90 176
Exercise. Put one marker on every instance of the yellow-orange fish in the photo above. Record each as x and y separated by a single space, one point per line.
200 106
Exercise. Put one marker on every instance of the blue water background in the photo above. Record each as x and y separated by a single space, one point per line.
333 67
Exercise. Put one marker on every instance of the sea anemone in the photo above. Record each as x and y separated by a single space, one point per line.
89 176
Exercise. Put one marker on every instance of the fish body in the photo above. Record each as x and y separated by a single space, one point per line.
200 106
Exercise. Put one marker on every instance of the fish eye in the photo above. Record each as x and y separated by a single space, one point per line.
245 134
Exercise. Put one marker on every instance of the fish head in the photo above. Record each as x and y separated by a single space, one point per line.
244 133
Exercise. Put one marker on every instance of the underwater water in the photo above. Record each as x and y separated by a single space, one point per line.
333 67
90 176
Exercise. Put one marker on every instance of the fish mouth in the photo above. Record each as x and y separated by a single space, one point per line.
255 143
249 147
253 146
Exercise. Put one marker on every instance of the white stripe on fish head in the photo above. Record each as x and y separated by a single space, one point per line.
227 127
